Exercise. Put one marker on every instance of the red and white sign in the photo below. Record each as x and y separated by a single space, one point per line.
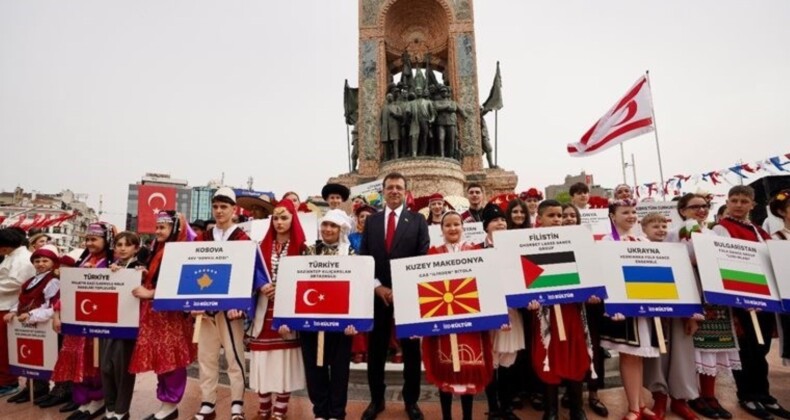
32 349
150 201
324 293
329 297
631 116
97 302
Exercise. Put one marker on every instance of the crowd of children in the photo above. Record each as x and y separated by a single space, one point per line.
522 361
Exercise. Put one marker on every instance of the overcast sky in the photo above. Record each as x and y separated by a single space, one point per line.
95 93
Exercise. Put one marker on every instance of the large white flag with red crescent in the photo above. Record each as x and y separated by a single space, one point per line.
630 117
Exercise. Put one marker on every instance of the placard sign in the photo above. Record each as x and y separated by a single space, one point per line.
735 272
473 233
372 191
32 349
207 276
325 293
256 229
98 302
597 220
554 265
448 293
649 279
779 250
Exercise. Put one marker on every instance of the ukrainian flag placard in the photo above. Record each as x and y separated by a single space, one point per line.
646 282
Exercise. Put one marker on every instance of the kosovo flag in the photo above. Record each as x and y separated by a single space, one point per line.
204 279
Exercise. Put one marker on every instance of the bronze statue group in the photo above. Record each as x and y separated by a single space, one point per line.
521 363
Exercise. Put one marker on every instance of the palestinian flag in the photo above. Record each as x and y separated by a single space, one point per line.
552 269
744 278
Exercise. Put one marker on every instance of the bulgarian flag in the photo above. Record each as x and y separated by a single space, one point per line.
744 278
551 269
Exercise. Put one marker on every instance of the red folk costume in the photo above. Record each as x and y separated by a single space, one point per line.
164 341
75 358
474 348
555 360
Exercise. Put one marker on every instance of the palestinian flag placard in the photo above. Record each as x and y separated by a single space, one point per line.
554 265
735 272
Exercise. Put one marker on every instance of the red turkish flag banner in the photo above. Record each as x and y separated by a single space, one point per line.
30 351
100 307
326 297
631 116
150 201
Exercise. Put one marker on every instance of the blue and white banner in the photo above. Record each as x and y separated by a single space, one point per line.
648 279
325 293
208 276
551 265
737 273
448 293
32 349
98 302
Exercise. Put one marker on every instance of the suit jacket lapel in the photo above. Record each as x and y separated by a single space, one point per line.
403 222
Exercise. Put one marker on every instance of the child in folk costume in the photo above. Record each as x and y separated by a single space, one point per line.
556 361
673 373
780 207
754 394
532 197
35 306
633 338
474 347
115 354
221 329
276 365
507 341
164 342
715 343
327 385
75 359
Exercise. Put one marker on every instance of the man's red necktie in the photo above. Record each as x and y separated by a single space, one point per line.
390 231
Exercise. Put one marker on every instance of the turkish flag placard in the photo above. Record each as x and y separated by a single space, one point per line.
322 297
150 201
30 351
96 307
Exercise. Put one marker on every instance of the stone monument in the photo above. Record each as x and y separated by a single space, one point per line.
405 46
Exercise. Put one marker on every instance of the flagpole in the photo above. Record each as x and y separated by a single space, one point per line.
496 137
622 162
655 132
348 147
633 168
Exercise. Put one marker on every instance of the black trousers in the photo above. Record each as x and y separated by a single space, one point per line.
378 346
327 385
594 318
116 381
752 380
526 378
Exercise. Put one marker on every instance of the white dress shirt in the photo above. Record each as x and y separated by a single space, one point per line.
15 269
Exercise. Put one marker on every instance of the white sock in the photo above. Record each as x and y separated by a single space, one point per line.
94 406
165 410
109 414
119 415
206 409
83 407
236 409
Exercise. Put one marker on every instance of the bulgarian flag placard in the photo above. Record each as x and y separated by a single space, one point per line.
552 264
734 272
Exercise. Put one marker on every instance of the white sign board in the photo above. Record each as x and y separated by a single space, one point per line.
779 251
473 233
206 276
256 229
372 191
735 272
649 279
597 220
448 293
554 265
32 349
99 303
325 293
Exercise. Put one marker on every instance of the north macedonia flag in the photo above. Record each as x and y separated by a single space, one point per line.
448 297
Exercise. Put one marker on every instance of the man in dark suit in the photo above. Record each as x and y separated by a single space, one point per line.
393 233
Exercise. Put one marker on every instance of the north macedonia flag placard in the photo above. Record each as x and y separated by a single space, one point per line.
448 297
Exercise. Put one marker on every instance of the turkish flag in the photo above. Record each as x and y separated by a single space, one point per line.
150 201
631 116
30 351
96 307
329 297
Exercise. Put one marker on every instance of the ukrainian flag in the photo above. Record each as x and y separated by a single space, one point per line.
648 282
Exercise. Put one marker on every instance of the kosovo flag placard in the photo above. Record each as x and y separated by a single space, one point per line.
204 279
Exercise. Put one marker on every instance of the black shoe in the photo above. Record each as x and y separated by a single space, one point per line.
509 415
701 407
756 409
577 414
536 401
597 406
171 416
41 398
373 410
22 396
777 410
54 400
77 415
565 401
550 415
95 414
69 407
414 412
714 404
